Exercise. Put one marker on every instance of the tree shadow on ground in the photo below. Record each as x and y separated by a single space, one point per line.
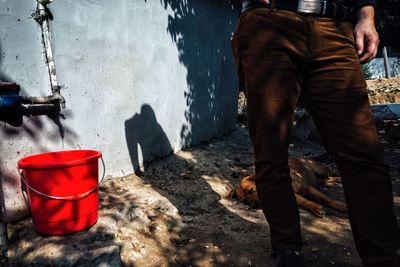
92 247
209 228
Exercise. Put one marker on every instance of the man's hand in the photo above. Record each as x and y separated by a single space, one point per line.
367 38
264 1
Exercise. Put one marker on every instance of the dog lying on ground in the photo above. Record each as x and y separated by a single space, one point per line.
306 175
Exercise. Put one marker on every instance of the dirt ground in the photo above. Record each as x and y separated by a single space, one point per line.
384 90
175 213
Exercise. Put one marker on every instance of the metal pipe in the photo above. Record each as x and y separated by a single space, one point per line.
9 99
42 17
41 100
386 62
12 100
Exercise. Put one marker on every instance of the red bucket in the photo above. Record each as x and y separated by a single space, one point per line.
62 189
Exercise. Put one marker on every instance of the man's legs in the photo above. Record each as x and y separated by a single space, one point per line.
335 93
269 47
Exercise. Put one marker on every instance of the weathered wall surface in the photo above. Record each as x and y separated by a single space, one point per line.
143 78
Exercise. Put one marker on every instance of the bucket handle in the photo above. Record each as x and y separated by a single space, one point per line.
74 197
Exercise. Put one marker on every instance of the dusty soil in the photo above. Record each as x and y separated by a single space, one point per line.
384 90
176 213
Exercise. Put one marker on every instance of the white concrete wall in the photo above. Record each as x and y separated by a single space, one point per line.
143 78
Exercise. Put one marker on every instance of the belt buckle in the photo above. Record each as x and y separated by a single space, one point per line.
312 7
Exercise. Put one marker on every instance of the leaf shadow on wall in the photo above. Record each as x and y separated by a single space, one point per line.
201 31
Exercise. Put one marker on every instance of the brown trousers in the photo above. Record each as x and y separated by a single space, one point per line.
283 57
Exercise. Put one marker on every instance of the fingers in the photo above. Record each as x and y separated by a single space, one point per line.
264 1
359 42
370 52
369 46
367 41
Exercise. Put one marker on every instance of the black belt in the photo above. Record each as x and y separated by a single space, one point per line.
321 8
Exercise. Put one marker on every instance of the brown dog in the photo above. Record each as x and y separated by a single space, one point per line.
306 175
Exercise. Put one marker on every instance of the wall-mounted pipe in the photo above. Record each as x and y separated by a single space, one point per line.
41 100
11 98
43 16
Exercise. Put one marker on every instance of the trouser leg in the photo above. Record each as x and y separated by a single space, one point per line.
337 97
271 78
269 117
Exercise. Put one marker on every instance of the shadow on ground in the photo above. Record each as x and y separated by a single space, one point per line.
174 213
184 218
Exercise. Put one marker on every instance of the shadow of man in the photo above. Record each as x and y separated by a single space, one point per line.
143 131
